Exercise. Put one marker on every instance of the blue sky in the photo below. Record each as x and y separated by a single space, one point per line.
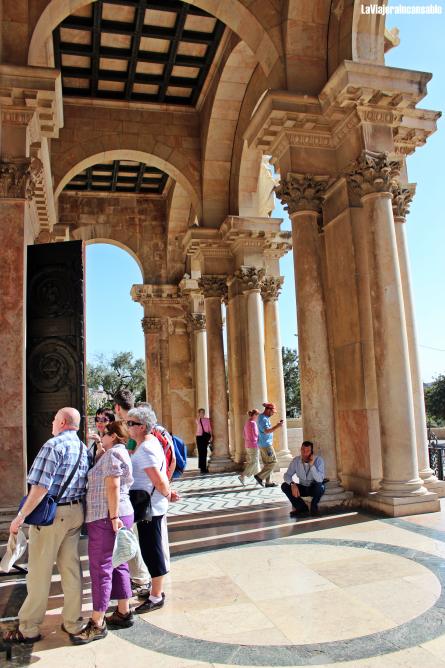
111 271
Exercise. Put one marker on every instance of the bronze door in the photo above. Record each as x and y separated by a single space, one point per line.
55 351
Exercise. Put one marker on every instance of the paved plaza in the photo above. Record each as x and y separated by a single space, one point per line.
251 586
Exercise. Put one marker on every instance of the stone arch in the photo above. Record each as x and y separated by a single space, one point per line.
232 13
224 116
81 158
255 184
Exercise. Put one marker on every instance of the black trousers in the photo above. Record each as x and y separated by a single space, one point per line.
315 490
202 443
152 549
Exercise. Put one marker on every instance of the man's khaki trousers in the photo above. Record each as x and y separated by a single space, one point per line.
58 543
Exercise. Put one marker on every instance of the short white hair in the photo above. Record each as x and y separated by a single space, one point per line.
143 414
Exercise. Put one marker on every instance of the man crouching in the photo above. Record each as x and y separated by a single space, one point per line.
310 472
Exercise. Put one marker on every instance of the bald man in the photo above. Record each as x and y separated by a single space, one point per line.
58 542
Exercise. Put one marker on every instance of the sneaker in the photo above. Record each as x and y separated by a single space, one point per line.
271 484
259 481
90 632
241 479
148 606
120 621
141 590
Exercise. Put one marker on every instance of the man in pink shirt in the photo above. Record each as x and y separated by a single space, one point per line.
203 438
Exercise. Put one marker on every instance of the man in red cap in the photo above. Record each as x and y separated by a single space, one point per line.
265 444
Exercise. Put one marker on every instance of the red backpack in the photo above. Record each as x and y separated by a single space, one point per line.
167 448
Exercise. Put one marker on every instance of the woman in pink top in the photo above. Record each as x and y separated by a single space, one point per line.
251 442
203 438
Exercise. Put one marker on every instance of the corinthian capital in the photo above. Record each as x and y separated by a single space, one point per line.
402 196
372 172
151 325
271 288
18 178
302 192
197 321
213 285
250 277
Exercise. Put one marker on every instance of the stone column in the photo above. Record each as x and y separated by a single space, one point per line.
270 289
250 279
198 323
401 489
152 334
214 287
303 195
402 197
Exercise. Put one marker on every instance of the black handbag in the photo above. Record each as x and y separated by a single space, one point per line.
141 502
43 515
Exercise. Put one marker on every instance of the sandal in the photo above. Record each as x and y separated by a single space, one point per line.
16 636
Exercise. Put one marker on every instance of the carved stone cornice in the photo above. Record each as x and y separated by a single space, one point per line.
402 196
213 285
151 325
372 173
149 294
271 288
19 178
197 321
302 192
250 278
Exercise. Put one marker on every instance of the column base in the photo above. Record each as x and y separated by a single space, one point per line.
335 494
398 506
436 486
222 464
284 458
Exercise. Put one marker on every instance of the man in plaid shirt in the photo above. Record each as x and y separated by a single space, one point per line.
58 542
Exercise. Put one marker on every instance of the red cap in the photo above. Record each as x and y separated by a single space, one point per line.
271 406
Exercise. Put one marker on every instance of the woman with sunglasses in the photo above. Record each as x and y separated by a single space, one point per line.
108 508
150 475
103 417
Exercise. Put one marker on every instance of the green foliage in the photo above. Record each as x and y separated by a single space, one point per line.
435 401
113 374
291 371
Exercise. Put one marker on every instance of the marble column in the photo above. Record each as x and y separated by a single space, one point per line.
304 195
152 335
250 279
402 197
270 290
401 489
198 323
214 288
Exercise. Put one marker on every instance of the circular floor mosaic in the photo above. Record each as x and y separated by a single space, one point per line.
297 602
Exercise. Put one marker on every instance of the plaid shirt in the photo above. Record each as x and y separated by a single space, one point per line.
54 463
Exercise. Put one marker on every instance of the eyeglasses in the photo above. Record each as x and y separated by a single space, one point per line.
130 423
99 419
106 433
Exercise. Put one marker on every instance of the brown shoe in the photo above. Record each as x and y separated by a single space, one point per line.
148 606
90 632
118 620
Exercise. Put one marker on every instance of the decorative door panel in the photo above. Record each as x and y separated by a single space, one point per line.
55 351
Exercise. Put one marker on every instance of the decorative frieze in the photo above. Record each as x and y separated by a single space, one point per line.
197 321
250 277
303 192
372 172
271 288
19 178
213 285
151 325
401 199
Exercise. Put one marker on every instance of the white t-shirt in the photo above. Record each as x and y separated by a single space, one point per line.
150 454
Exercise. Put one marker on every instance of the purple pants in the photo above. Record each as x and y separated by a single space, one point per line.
106 582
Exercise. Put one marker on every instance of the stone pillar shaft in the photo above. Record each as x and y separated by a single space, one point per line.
255 350
202 385
152 335
237 367
274 364
315 378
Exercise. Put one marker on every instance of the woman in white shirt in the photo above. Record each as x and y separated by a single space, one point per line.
150 475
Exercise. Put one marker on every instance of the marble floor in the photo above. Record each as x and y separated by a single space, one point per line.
250 586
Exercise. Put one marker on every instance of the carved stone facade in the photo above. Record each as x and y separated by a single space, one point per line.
271 287
302 192
19 179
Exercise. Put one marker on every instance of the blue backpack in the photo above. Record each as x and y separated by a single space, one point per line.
181 456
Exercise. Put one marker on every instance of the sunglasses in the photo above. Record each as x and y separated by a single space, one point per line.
130 423
98 419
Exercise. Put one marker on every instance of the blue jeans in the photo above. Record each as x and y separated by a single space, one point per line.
315 490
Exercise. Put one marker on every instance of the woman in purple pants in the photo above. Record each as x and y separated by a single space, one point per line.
108 509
